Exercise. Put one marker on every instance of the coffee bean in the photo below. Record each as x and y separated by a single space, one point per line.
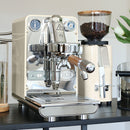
94 30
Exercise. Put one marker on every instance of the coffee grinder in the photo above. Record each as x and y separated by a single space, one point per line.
94 25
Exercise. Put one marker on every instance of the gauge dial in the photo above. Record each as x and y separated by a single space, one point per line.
35 25
69 26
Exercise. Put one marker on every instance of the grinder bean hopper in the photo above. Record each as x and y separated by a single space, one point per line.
94 25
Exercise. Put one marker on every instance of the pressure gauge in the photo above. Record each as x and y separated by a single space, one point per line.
35 25
69 26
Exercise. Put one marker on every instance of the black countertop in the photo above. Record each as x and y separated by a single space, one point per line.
23 118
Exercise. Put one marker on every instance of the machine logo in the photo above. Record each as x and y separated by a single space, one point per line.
59 27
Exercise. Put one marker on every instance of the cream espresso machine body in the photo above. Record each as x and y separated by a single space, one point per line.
94 25
45 52
26 32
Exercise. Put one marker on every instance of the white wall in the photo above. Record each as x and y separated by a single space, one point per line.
13 9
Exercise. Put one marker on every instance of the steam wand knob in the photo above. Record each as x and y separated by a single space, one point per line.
83 65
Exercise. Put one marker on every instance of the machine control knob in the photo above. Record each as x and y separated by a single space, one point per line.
69 26
90 67
32 59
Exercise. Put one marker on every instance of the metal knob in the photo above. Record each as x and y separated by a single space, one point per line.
32 59
87 66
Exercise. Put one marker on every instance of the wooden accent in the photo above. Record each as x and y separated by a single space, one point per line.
4 107
74 60
89 12
72 66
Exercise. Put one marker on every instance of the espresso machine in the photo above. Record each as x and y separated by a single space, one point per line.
94 25
45 58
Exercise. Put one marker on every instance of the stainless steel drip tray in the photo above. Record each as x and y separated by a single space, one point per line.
63 105
63 111
47 100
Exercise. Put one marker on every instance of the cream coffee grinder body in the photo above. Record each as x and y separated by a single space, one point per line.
94 25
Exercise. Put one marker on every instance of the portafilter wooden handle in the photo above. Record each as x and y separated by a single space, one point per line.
74 60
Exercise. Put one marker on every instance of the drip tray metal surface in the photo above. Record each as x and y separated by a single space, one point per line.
63 105
59 100
63 111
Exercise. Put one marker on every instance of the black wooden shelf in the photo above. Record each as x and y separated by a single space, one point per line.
24 118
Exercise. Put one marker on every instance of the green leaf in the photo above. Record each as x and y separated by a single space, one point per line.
123 40
127 32
128 38
127 20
